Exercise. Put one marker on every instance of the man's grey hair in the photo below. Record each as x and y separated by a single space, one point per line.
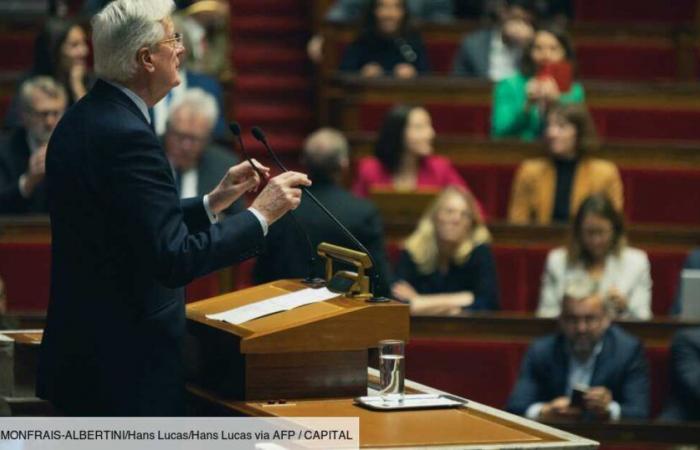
41 83
326 141
197 101
121 29
584 287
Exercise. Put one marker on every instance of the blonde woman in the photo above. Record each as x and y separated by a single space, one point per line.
447 265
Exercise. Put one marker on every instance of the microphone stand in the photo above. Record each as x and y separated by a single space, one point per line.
374 279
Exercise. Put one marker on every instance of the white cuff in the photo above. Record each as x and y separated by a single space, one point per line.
261 219
212 217
533 411
615 410
23 185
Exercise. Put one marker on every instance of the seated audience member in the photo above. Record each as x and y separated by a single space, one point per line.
190 79
521 102
22 154
494 53
684 400
598 251
326 158
551 188
61 52
692 262
403 156
425 10
447 265
198 164
587 354
351 10
385 45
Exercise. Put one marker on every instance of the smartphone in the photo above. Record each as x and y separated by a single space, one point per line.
576 399
562 72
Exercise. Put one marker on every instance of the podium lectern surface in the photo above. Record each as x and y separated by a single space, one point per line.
314 351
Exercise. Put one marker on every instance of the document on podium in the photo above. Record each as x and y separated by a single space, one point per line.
237 316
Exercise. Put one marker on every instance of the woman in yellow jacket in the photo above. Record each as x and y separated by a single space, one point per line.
551 188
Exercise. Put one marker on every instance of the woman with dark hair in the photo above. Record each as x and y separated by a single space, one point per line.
386 46
521 102
598 251
551 188
403 156
61 51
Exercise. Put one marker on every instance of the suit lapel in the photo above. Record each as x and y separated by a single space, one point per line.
560 369
604 362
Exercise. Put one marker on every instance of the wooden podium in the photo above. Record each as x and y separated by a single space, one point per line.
314 351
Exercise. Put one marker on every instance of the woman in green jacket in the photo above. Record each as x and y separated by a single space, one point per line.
520 102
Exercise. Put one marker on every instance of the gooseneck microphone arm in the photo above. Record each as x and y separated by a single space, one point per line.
374 279
236 130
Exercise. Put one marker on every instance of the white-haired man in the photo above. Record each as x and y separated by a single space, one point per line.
198 163
23 152
123 244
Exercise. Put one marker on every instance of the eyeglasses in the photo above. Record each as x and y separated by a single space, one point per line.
176 39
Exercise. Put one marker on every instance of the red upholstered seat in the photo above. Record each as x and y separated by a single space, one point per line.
203 287
480 371
17 50
665 269
634 11
659 373
26 270
600 59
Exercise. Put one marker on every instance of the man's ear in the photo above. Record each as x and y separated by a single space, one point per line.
145 60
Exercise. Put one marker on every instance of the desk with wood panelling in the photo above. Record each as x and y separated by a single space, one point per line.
469 427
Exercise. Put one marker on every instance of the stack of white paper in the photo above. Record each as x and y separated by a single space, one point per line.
273 305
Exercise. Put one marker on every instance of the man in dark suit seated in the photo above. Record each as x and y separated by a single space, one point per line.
684 400
198 163
691 262
23 152
325 157
123 244
587 354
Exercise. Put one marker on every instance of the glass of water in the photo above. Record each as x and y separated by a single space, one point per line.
392 369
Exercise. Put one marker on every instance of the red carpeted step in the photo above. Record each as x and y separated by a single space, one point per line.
278 115
261 86
277 59
288 143
247 26
268 7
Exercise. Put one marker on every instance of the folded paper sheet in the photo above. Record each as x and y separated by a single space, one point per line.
273 305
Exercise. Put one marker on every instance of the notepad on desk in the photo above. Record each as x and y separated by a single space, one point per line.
242 314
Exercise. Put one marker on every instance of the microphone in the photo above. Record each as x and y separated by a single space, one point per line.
374 279
236 130
310 279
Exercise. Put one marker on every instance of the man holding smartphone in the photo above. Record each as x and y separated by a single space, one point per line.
589 370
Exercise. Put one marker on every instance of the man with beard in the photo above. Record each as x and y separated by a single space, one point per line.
589 370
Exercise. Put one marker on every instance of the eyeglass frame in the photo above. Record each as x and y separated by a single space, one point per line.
177 38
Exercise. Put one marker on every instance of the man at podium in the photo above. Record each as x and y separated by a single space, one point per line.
123 244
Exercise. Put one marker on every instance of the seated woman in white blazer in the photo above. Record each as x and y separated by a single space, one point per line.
598 250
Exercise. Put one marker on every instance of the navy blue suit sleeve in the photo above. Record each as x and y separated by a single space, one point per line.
692 262
143 195
634 400
195 215
527 388
486 290
685 366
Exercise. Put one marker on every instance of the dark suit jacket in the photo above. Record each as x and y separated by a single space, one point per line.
123 247
684 400
287 253
472 58
386 52
212 167
692 262
621 367
14 158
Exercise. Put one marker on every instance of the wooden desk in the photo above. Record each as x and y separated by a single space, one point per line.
470 427
523 327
